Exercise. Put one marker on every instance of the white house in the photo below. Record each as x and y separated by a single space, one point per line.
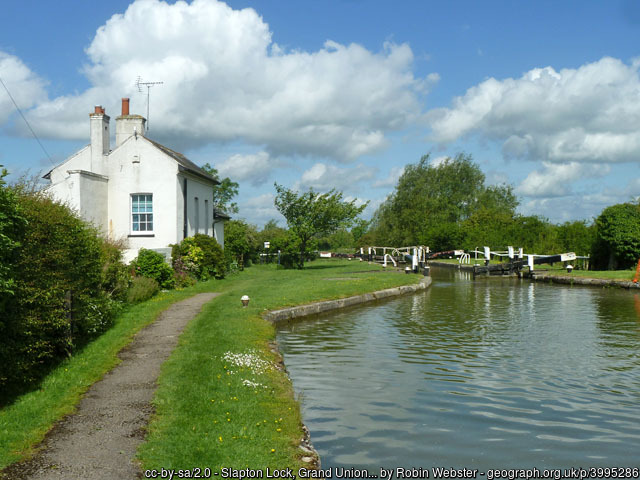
139 191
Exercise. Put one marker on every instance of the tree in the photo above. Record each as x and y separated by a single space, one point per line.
240 242
431 202
224 192
617 243
312 214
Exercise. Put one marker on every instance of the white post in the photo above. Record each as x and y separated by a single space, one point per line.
414 262
530 262
487 253
510 249
520 253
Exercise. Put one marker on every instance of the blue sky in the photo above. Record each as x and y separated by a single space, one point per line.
544 95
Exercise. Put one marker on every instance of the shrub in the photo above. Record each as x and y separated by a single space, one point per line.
58 301
151 264
142 288
116 275
11 229
200 256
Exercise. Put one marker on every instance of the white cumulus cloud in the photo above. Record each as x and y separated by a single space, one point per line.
225 79
25 86
587 114
254 168
555 179
326 177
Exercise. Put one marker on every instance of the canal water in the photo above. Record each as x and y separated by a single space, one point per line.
485 373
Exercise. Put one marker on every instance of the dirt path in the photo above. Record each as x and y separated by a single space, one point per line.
99 441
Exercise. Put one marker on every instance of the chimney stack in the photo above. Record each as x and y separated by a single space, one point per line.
128 125
99 127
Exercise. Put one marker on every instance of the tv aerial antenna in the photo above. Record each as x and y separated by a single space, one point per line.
140 84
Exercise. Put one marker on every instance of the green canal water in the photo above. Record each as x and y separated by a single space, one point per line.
491 373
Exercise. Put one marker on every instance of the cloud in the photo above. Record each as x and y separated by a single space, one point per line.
253 168
26 87
259 210
588 114
392 179
225 80
325 177
555 179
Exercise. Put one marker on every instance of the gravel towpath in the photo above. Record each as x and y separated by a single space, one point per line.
99 441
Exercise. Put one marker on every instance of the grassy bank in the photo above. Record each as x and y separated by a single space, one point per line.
198 385
221 402
24 423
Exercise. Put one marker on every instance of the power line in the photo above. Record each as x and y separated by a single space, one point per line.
26 121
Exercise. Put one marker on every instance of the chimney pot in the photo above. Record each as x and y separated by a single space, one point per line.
98 109
125 106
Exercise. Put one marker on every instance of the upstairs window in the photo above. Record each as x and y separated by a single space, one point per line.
142 212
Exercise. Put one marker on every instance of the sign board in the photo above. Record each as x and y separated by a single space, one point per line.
457 253
566 257
267 244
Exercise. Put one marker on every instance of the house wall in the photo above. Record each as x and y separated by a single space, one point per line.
137 166
218 232
197 222
92 190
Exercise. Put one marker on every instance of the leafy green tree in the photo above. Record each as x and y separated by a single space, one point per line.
577 236
617 242
223 193
311 214
240 242
431 202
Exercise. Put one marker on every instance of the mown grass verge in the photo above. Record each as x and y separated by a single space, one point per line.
213 408
25 422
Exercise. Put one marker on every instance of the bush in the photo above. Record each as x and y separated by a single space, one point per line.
116 275
11 229
151 264
58 301
617 243
199 256
142 288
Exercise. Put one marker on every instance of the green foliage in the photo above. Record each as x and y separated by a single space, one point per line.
116 275
241 243
435 205
311 214
151 264
199 256
340 239
58 301
617 242
142 288
224 192
12 223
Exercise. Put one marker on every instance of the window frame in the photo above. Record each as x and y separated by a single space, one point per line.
147 231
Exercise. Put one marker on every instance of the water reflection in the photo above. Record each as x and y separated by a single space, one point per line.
486 373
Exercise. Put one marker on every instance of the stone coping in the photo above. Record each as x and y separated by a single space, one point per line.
286 314
596 282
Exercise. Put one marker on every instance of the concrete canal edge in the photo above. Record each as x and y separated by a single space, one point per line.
290 313
594 282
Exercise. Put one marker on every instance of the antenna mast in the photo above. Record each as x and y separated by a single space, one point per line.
140 84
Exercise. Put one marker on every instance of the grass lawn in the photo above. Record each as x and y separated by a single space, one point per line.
558 269
212 409
220 401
